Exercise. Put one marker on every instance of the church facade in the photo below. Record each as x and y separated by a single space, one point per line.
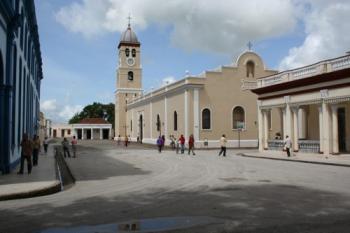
207 105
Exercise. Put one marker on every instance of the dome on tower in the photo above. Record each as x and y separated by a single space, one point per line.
128 37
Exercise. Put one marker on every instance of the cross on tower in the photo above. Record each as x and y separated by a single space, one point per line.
250 45
129 19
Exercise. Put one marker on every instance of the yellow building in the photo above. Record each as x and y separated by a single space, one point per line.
207 106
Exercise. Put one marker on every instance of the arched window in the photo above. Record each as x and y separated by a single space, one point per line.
133 52
175 121
206 119
127 52
238 118
250 69
158 123
130 76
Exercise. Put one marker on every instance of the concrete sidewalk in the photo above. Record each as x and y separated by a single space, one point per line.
334 160
42 181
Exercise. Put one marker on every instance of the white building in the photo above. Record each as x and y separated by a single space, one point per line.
314 105
86 129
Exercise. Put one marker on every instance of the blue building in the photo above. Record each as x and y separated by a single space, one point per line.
20 78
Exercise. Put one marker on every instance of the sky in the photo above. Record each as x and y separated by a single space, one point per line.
79 40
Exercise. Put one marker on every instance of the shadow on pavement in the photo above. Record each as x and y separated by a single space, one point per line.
254 208
93 164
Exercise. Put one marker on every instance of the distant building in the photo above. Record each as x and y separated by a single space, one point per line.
206 105
48 127
92 129
42 126
86 129
62 130
314 104
20 78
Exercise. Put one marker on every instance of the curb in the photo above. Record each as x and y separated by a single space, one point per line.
296 160
64 179
63 171
51 189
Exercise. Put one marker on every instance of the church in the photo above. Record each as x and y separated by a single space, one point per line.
207 105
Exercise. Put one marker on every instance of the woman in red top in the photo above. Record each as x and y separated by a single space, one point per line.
191 145
182 143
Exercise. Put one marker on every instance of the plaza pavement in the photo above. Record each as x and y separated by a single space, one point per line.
334 160
41 181
44 180
114 184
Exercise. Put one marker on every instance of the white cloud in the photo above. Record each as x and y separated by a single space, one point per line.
220 26
49 105
327 34
68 111
168 80
57 112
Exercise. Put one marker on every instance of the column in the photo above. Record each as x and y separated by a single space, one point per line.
335 140
320 123
150 119
92 134
280 112
266 130
101 136
196 114
288 123
295 130
166 117
326 128
109 133
82 133
284 123
302 123
186 114
260 127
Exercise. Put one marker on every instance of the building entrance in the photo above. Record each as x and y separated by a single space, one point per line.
341 130
141 127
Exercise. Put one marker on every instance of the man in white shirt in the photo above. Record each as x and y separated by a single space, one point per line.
223 142
287 145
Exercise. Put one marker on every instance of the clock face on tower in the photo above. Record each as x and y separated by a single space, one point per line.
130 61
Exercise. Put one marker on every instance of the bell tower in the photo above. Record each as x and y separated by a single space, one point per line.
129 78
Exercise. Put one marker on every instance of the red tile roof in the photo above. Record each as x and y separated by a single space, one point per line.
93 121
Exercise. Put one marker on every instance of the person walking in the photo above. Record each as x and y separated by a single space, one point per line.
118 140
160 144
172 142
27 150
46 144
126 141
191 144
182 143
223 142
36 149
65 145
163 141
177 145
287 145
74 143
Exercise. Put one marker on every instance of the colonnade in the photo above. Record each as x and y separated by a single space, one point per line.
294 124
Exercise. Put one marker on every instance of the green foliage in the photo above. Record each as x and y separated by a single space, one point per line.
95 110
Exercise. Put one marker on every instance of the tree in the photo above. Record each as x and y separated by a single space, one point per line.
95 110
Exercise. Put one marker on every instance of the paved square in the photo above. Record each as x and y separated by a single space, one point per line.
116 184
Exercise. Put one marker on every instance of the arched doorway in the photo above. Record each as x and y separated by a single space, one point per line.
141 128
